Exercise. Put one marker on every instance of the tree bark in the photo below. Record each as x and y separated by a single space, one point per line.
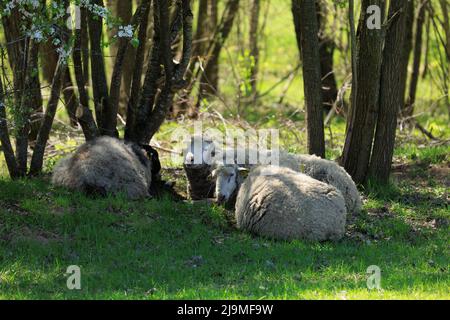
123 9
326 51
137 76
411 100
445 7
25 110
209 83
391 96
99 82
44 132
209 77
173 74
118 69
365 97
84 114
407 48
5 140
49 61
306 25
254 45
17 47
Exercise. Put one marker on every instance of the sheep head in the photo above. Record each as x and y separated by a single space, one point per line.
228 180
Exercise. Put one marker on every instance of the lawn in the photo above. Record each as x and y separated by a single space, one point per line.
165 250
159 249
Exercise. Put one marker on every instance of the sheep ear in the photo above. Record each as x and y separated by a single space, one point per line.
243 172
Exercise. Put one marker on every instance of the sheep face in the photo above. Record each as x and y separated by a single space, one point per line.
153 156
199 151
228 180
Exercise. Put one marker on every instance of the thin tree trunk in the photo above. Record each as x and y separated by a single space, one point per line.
365 97
123 9
84 44
254 46
326 51
391 96
49 61
211 74
84 114
17 47
99 81
408 44
115 87
5 140
207 85
44 132
174 75
25 112
445 7
411 100
306 25
137 76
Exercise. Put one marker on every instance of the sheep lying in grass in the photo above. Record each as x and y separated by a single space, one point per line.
109 166
201 157
197 166
330 172
280 203
230 176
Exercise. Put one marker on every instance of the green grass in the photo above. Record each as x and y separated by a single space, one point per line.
165 250
161 250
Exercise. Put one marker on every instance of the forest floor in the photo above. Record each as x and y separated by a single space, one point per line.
165 250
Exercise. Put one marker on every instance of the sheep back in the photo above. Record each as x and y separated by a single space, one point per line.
105 165
280 203
331 173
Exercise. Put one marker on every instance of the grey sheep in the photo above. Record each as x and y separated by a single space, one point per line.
197 166
109 166
279 203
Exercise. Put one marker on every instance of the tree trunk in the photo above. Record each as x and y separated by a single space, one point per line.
411 100
254 46
209 82
326 51
137 76
391 96
99 82
5 140
84 113
49 61
407 48
445 7
209 78
123 9
365 98
44 132
153 107
306 26
17 47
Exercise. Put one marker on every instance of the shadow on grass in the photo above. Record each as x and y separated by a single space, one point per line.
161 249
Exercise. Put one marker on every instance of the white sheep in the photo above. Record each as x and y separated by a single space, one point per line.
280 203
229 177
332 173
201 156
109 166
